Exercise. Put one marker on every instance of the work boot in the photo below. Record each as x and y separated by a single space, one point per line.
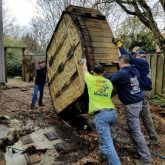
103 157
140 162
32 106
134 153
152 142
40 103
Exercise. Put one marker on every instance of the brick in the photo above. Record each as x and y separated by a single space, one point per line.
26 140
33 159
2 159
51 136
2 162
60 147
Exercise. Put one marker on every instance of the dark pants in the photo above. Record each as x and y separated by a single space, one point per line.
146 117
132 112
37 88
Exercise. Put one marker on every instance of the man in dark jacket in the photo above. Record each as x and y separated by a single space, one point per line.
40 81
139 60
127 82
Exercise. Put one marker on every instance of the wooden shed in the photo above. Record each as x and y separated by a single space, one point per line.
80 32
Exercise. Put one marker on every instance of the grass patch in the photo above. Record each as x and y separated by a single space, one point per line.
158 100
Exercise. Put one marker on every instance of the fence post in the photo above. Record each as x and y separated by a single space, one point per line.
157 65
23 67
159 74
163 85
153 72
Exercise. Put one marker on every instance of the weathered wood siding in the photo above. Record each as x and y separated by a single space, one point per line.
2 68
157 64
81 32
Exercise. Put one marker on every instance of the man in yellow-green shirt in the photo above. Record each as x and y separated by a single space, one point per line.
102 108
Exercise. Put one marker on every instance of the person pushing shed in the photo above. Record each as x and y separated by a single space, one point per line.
127 82
139 60
102 109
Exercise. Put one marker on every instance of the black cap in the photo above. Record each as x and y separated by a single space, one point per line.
140 53
99 68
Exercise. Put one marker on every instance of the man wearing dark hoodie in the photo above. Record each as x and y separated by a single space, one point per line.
139 60
40 81
127 82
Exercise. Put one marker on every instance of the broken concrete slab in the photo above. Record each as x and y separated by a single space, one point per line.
51 136
26 139
16 124
40 142
3 131
15 158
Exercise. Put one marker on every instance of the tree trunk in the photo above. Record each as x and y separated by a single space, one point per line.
145 17
153 25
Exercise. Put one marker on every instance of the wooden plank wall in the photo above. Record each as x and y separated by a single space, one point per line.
157 65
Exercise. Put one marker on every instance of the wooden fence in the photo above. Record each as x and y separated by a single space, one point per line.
157 64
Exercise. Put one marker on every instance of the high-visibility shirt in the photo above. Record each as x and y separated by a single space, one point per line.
99 91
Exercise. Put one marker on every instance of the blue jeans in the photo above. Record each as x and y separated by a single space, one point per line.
37 88
103 122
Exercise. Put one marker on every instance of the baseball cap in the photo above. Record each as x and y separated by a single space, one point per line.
99 68
141 53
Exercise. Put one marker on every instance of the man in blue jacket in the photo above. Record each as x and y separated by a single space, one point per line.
40 81
127 82
140 62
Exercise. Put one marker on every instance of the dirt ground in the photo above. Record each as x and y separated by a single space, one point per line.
81 145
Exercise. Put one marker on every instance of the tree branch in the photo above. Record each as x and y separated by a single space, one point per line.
162 2
145 17
141 15
125 8
153 25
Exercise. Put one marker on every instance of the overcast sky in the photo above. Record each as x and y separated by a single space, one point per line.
22 10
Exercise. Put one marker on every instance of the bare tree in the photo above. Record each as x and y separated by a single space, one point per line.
51 10
10 26
40 32
143 11
7 19
49 13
